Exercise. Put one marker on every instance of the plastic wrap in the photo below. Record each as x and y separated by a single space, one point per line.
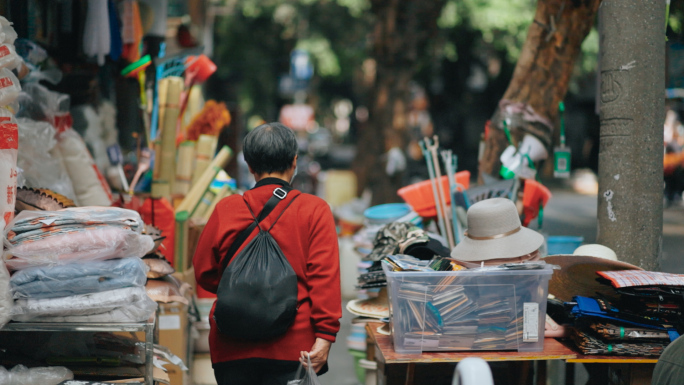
9 143
9 87
78 278
90 186
7 33
158 267
72 217
91 244
21 375
40 169
27 309
167 290
8 57
5 295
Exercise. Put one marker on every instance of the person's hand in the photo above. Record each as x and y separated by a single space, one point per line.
318 354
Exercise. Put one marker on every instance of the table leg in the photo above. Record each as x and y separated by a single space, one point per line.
540 372
569 373
410 373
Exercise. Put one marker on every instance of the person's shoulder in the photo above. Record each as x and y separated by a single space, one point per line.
229 201
311 199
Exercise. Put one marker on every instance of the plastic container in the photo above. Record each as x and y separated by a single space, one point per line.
420 197
386 213
561 244
468 310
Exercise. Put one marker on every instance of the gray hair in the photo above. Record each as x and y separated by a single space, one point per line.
270 148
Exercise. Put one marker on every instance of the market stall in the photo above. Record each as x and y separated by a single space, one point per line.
97 233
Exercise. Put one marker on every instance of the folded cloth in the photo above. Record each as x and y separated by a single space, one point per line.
78 278
140 310
27 309
631 278
98 243
30 225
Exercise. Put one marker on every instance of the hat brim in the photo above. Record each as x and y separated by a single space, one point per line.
578 276
515 245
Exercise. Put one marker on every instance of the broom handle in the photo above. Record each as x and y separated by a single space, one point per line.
431 173
449 161
440 190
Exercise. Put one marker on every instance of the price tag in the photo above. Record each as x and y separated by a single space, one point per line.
530 322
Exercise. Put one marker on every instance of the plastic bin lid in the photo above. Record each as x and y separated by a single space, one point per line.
387 212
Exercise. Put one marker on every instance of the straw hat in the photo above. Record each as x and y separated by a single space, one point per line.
495 232
578 275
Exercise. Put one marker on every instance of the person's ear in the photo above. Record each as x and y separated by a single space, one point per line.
250 169
294 162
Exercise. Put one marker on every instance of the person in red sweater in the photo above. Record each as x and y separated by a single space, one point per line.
306 234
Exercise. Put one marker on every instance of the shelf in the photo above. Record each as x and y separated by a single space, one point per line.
147 327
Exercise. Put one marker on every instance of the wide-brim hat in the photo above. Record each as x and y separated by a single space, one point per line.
577 275
495 232
377 307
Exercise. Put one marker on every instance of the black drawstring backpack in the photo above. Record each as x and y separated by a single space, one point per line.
257 294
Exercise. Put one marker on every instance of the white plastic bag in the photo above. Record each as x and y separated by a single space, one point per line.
9 87
21 375
9 143
40 169
309 377
90 186
8 57
7 33
6 301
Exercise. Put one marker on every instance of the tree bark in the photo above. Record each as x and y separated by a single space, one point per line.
541 77
632 64
400 35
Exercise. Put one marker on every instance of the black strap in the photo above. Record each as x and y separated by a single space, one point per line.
268 208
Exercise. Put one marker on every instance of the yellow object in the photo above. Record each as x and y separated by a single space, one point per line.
184 168
340 187
224 192
206 147
165 165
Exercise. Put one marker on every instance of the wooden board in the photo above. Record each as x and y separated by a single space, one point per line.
553 350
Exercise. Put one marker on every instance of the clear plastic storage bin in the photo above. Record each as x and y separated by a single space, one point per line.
468 310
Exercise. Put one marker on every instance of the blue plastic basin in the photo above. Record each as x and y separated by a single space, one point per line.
562 244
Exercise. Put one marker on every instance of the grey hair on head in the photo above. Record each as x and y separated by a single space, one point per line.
270 148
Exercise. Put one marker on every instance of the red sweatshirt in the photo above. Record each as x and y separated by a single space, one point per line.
306 235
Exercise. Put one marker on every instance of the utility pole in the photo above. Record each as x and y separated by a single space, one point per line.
632 111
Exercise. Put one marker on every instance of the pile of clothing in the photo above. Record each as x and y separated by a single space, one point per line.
641 318
78 265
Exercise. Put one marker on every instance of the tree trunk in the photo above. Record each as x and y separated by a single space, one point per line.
401 32
541 77
630 200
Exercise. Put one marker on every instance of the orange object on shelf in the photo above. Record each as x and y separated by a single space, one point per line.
420 197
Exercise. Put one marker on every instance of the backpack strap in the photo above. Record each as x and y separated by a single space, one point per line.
279 194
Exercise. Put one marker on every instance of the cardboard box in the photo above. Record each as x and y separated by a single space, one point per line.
174 334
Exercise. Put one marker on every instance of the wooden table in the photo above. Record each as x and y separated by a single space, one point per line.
396 368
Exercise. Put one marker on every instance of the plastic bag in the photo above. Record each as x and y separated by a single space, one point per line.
6 301
7 33
167 290
9 87
9 143
158 267
139 310
78 278
309 377
40 169
90 186
26 309
8 57
21 375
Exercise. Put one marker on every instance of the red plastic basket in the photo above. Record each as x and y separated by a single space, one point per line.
535 195
419 195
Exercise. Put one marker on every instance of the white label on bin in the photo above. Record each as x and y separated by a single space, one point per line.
530 322
169 322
